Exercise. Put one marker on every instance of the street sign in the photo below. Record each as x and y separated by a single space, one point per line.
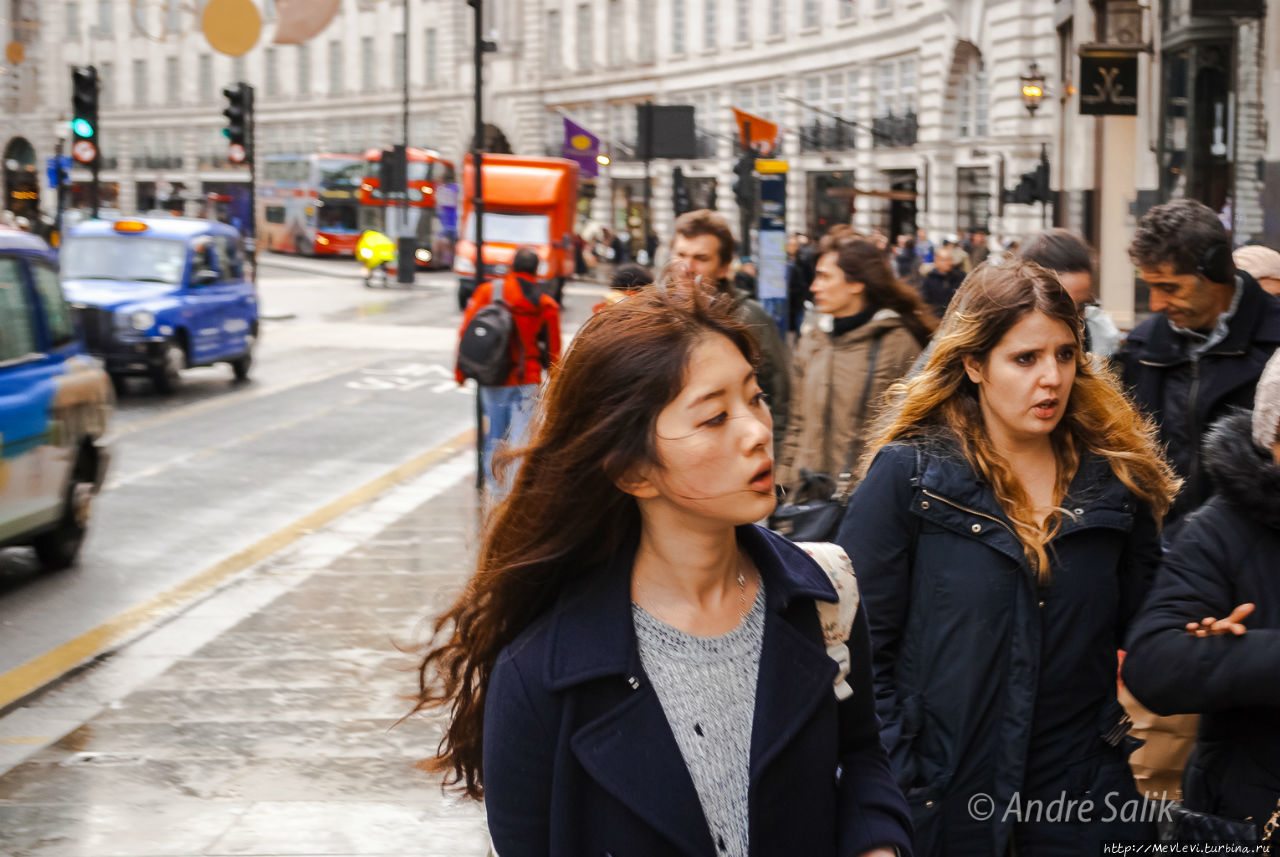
51 168
235 153
770 166
1108 83
84 151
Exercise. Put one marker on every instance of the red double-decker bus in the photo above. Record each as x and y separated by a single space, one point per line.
432 208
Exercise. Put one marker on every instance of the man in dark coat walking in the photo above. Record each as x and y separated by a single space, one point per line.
941 282
1202 353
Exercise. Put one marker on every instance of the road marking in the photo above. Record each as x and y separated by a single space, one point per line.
43 669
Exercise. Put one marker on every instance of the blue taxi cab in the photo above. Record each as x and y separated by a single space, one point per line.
55 402
157 295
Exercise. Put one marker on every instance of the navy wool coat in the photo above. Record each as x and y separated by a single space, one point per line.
579 758
995 690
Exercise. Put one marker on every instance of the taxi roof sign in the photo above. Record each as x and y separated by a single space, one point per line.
130 226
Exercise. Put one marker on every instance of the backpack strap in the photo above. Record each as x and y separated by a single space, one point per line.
836 619
515 330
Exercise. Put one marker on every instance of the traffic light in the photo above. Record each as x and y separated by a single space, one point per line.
680 198
239 114
84 103
743 184
393 171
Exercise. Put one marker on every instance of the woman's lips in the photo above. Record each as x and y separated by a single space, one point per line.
1046 409
763 480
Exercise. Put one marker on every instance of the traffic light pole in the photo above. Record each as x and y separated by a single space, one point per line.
648 189
251 151
748 197
477 205
60 191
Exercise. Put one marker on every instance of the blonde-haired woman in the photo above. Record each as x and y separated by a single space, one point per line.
1004 535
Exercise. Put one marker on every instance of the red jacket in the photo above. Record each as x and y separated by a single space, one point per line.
529 320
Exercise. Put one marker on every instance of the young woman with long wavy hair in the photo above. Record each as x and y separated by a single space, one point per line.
634 667
1004 535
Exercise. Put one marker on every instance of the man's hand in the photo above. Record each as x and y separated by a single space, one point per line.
880 852
1211 627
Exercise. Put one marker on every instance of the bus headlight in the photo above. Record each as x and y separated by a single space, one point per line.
422 255
322 241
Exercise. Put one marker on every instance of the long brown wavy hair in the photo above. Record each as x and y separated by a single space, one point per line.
1098 417
862 261
565 515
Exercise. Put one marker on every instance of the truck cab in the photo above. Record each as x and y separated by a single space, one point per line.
528 202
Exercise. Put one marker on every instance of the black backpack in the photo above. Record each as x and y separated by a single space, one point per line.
484 350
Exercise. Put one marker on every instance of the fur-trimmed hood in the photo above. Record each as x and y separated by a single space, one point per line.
1246 477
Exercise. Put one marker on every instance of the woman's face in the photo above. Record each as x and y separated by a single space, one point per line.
832 293
715 441
1026 380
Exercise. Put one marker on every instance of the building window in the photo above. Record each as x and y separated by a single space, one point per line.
73 20
981 101
584 37
809 15
397 60
907 87
710 20
646 30
555 45
366 64
140 83
272 61
304 70
616 48
107 84
846 9
239 70
882 5
205 78
677 27
336 78
432 57
172 81
104 19
775 18
173 16
742 21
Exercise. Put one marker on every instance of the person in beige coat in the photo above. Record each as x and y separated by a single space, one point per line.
879 326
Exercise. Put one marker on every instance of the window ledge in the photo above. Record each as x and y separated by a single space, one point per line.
775 37
810 30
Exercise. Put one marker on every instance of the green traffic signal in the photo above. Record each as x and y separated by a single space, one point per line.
81 127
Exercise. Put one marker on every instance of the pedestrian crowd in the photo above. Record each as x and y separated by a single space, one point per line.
894 570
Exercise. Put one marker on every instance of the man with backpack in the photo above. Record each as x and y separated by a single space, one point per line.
505 342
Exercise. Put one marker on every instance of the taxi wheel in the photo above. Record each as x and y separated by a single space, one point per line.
167 378
244 363
58 548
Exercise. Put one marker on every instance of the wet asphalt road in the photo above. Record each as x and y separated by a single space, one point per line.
348 384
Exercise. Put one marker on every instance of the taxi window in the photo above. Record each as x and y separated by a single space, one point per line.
17 334
228 259
56 312
124 258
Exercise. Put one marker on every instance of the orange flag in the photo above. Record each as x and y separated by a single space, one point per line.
764 134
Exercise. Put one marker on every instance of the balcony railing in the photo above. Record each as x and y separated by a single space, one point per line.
836 137
891 131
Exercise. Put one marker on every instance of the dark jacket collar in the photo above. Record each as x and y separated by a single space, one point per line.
1256 318
1246 478
592 633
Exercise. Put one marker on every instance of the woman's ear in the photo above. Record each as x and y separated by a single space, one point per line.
972 368
636 482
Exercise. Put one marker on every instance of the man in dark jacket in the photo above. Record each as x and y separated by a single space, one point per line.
941 282
1204 350
1225 557
703 245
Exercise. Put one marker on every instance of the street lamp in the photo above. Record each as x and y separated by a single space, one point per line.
1032 88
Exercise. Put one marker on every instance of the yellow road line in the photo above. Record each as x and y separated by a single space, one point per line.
39 671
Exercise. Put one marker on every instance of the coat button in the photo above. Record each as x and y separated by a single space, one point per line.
1078 511
928 803
634 682
1041 603
924 504
977 528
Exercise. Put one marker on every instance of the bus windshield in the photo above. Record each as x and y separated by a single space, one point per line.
341 173
123 258
511 228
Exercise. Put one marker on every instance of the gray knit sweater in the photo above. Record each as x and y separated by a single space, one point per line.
707 687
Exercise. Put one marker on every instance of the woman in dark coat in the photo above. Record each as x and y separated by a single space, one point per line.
1225 562
1003 537
635 668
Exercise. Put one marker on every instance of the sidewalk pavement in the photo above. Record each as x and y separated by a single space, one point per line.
262 720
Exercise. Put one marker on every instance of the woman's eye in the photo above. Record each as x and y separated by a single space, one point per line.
716 421
1025 359
760 398
1067 355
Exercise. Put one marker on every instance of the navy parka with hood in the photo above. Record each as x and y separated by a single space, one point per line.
993 688
1228 553
579 758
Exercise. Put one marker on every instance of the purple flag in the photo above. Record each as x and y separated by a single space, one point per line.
582 146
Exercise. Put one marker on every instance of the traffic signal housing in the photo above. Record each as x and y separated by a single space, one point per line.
744 171
239 113
84 103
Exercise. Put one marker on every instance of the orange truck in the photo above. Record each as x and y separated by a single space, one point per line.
528 202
